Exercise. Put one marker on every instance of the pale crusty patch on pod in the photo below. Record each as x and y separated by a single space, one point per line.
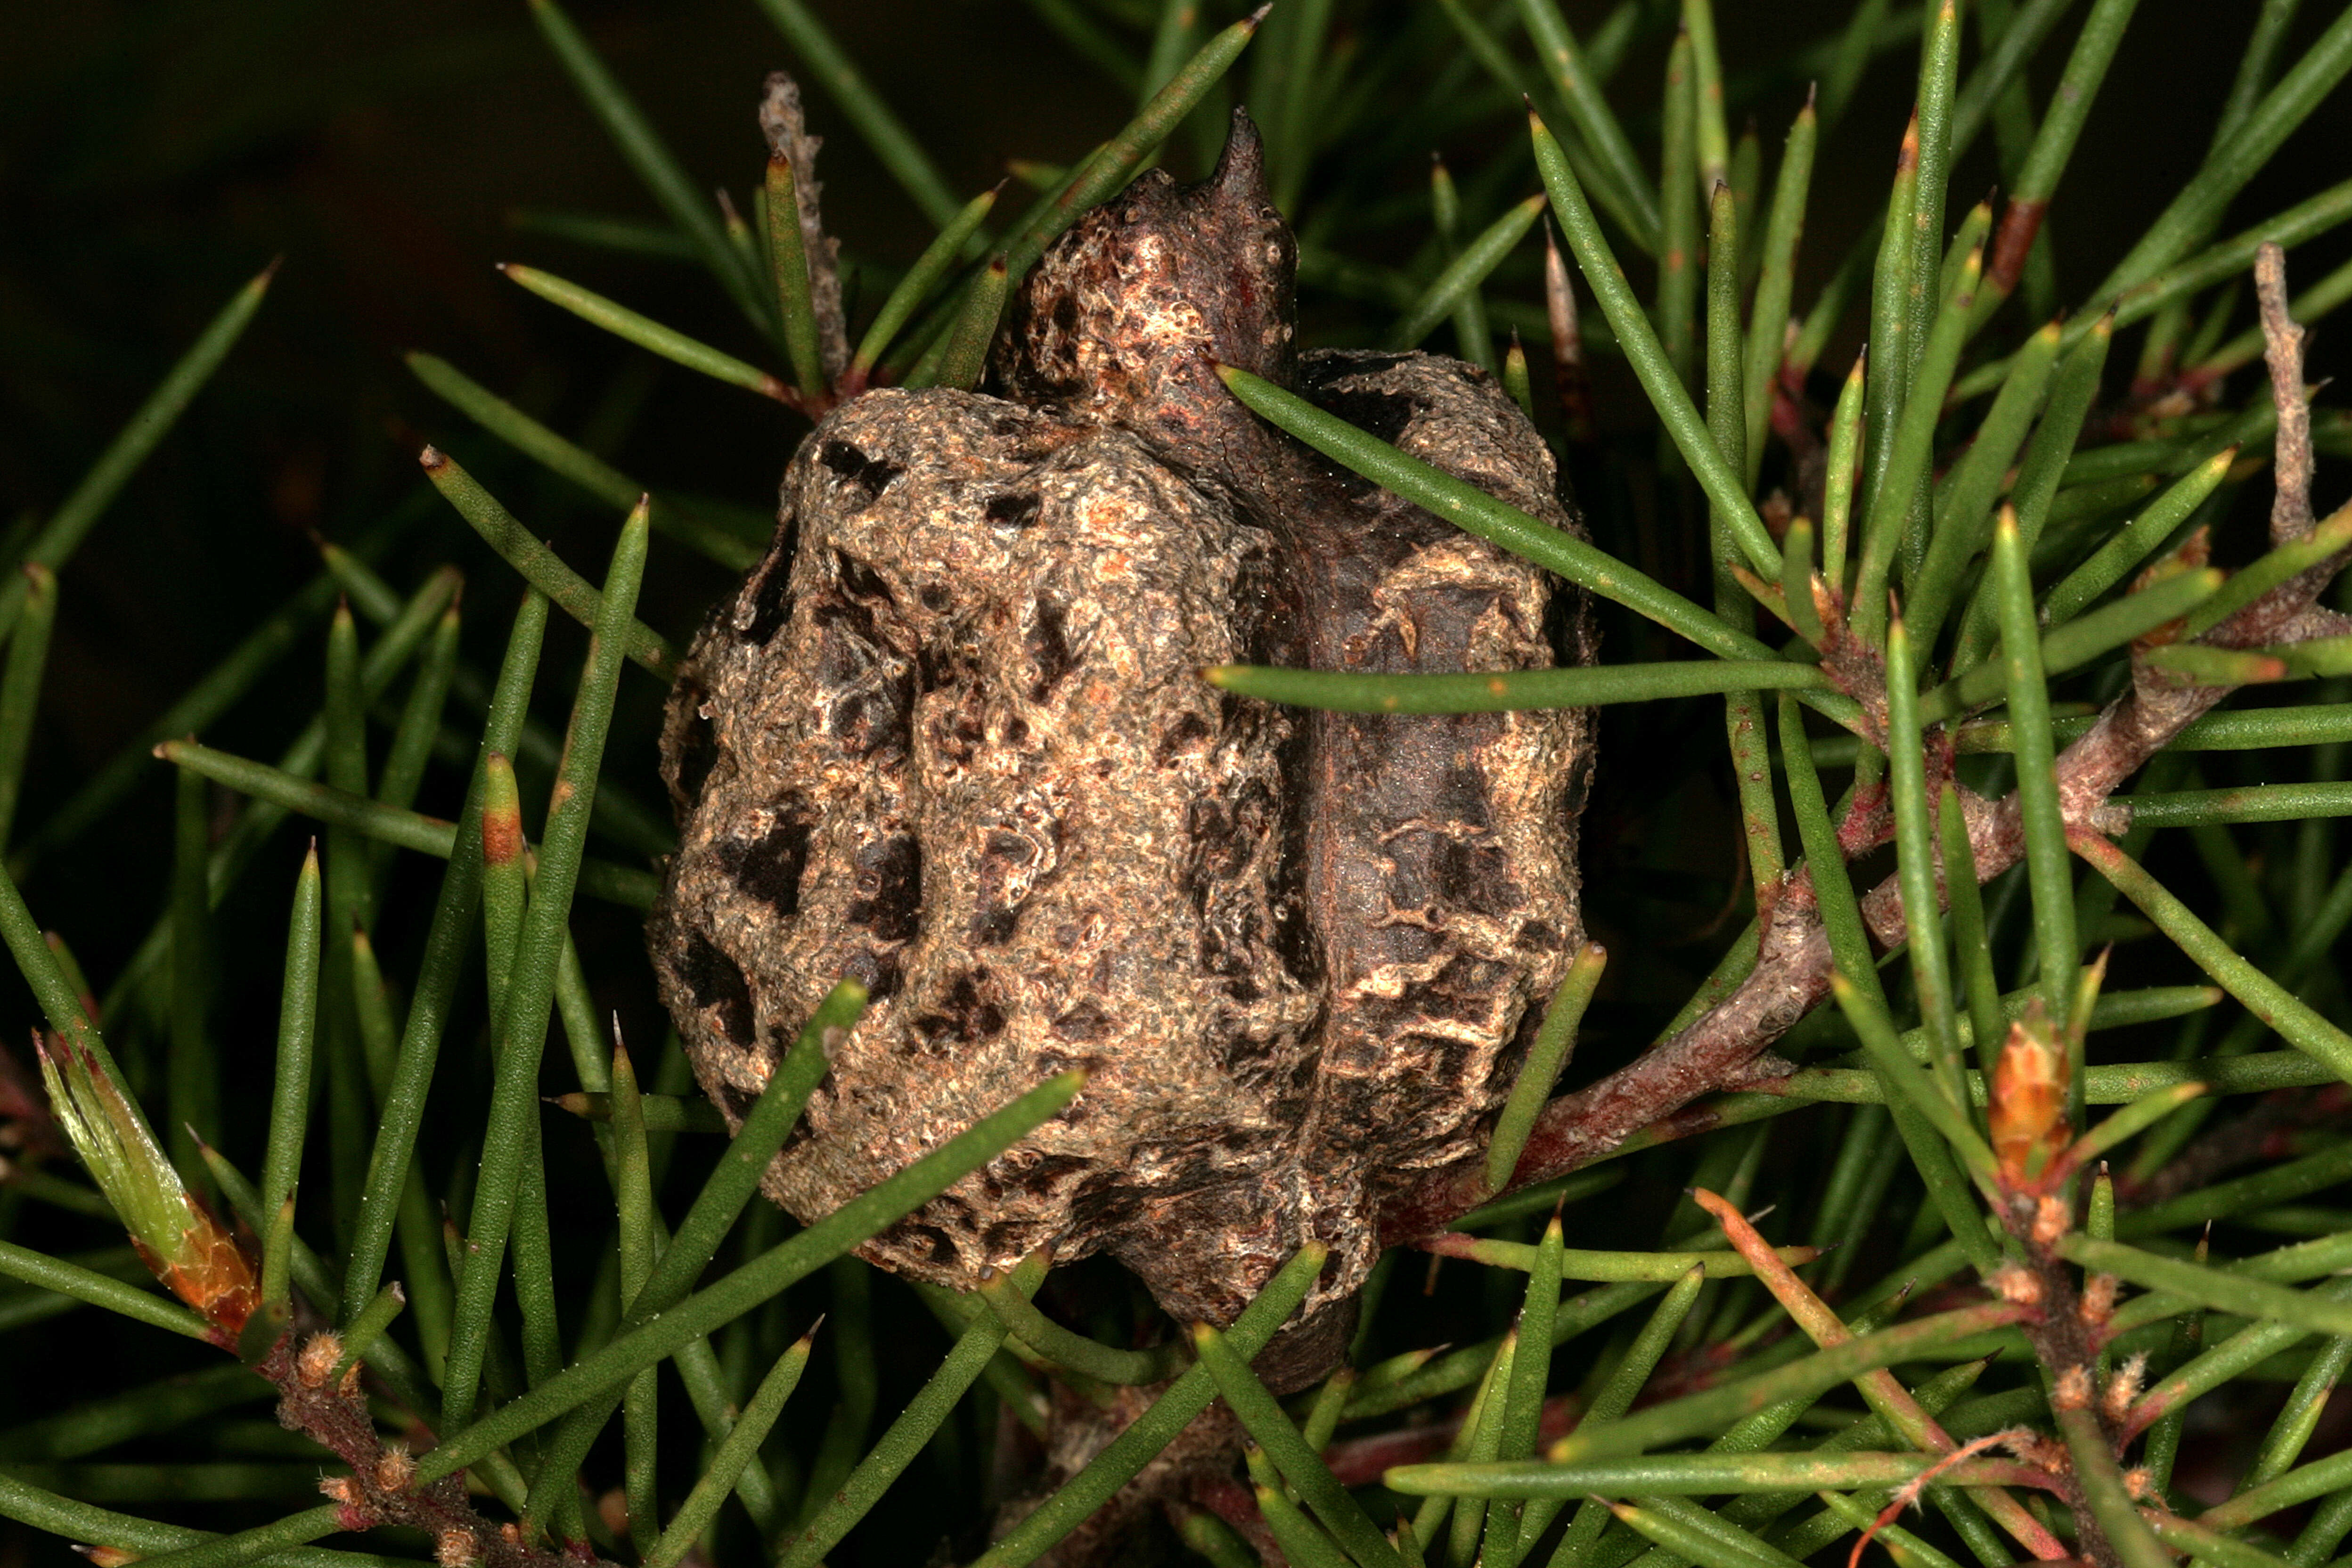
966 757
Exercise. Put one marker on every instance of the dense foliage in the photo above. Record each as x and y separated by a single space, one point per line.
2034 1221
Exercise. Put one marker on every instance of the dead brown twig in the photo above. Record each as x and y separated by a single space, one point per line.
1574 388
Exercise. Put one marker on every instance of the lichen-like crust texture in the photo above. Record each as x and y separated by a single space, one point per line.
951 740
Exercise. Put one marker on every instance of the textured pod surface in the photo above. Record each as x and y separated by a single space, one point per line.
951 739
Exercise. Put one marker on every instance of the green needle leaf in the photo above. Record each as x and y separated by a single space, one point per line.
1115 162
1264 1418
1555 1041
2235 1293
1845 457
1648 357
71 1280
253 1545
1891 359
1687 1536
733 547
1768 329
2208 1545
80 511
1918 879
2136 541
1679 255
2256 802
1158 1427
1074 1352
2265 998
1577 1263
1508 690
1684 1475
1474 511
1510 1531
298 1023
736 1453
2070 107
1899 481
367 1326
2049 877
432 835
646 333
934 264
1462 275
788 265
1299 1538
1965 505
885 132
1978 981
1581 95
2313 1480
686 201
539 564
966 355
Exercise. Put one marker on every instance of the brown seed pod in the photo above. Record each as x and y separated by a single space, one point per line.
950 740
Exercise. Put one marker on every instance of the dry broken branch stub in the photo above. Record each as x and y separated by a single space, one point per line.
786 128
2282 353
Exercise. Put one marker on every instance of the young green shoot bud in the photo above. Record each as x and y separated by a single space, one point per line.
188 1249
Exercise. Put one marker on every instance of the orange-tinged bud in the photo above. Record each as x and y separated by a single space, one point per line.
212 1272
176 1236
2028 1113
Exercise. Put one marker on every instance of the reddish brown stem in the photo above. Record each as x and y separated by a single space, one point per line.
383 1488
2020 222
